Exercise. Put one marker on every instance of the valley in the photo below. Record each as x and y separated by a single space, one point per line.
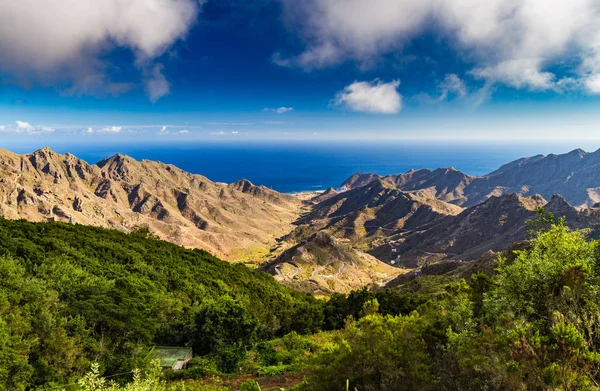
372 231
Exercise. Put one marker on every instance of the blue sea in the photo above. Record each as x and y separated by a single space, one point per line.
304 166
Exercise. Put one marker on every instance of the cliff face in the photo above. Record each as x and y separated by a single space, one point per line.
232 221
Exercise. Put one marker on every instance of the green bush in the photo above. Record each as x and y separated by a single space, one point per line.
273 370
250 385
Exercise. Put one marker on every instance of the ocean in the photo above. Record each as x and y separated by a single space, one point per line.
304 166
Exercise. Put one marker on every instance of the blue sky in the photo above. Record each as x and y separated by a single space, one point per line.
232 70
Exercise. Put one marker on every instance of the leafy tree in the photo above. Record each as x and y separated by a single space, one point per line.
224 327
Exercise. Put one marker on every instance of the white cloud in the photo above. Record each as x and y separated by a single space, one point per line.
23 126
89 130
592 83
2 128
235 132
64 43
184 131
279 110
521 73
26 127
514 42
371 97
230 123
220 133
155 84
111 129
452 84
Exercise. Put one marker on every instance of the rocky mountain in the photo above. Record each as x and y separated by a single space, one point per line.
234 221
574 175
445 184
322 264
375 209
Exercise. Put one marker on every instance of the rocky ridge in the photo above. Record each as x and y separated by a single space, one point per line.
574 175
234 221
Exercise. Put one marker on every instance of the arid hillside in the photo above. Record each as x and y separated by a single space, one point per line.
237 221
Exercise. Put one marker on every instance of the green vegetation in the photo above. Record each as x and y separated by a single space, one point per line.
534 325
71 296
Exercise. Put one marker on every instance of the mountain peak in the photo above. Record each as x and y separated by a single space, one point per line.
578 151
242 185
115 160
44 151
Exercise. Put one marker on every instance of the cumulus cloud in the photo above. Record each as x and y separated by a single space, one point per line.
279 110
26 127
184 131
111 129
89 130
64 43
514 42
219 133
371 97
23 126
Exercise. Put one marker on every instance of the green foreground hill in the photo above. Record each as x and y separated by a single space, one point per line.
71 295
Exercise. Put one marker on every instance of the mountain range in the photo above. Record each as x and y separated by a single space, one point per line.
574 175
373 230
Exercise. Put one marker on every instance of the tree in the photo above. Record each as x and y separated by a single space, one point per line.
223 327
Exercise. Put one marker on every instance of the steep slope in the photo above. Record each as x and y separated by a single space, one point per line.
493 225
327 194
372 210
234 221
323 264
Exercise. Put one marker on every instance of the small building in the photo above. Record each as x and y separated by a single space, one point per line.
172 357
